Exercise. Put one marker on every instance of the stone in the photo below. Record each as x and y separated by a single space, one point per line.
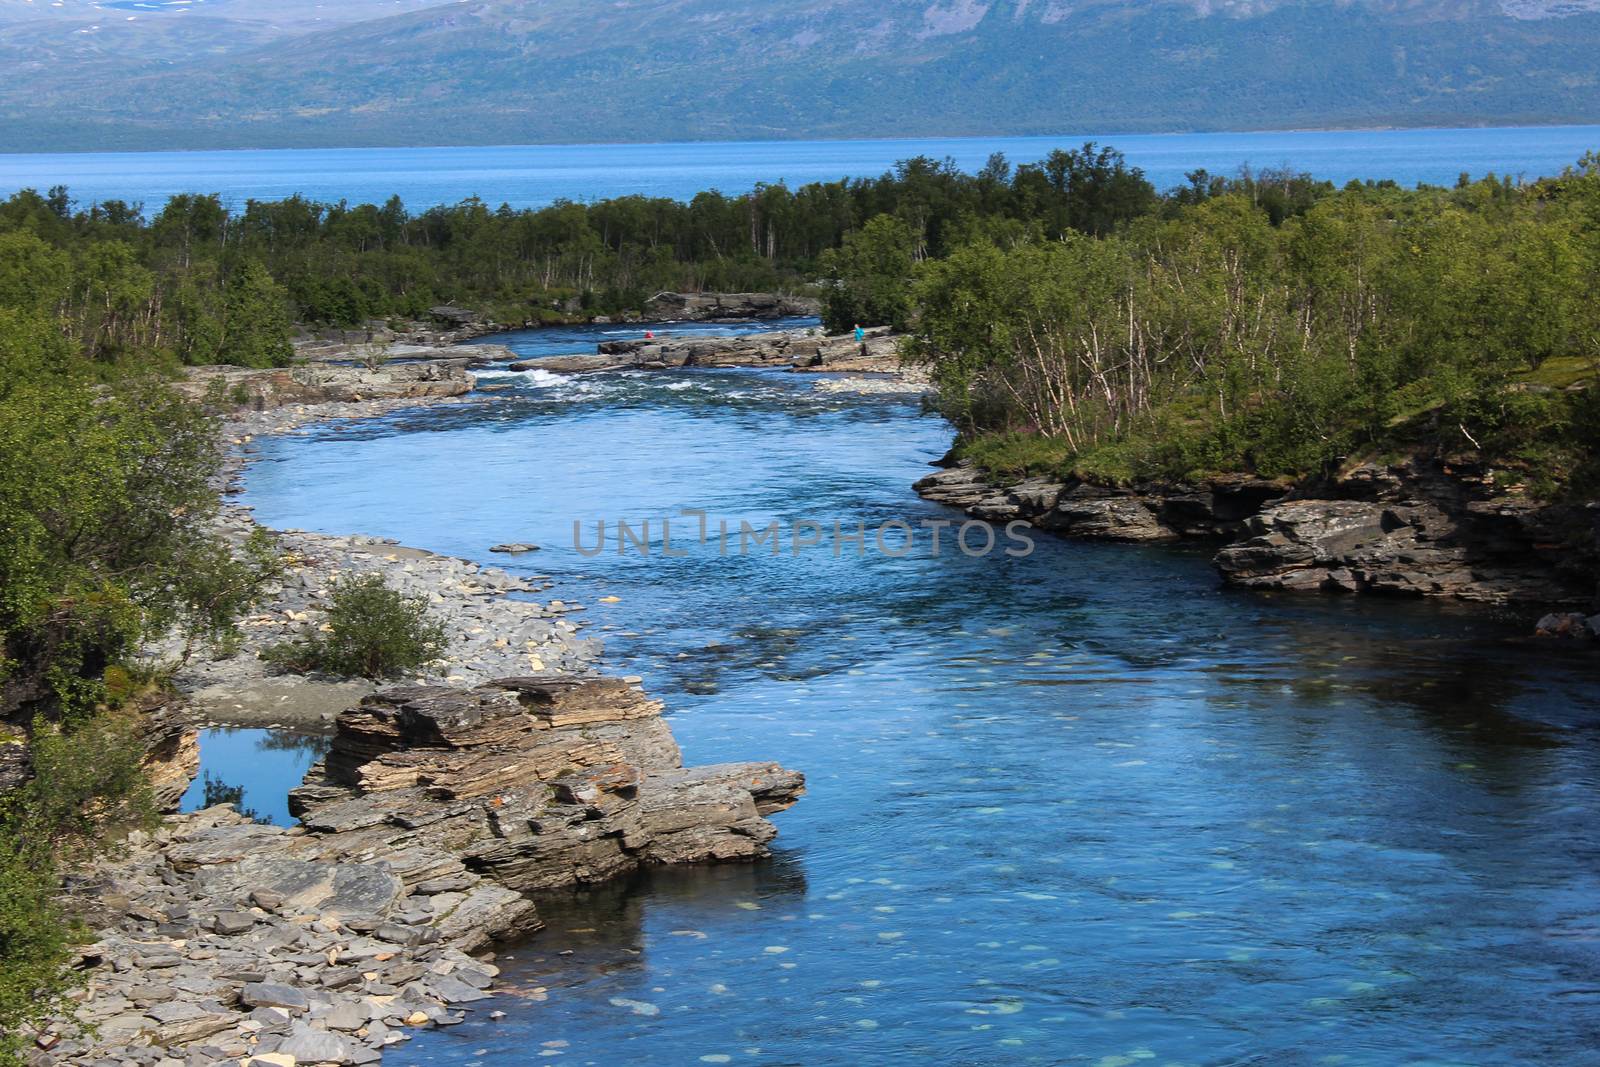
1417 527
309 1045
515 547
266 899
453 990
534 782
345 1015
233 922
1563 624
272 1059
269 995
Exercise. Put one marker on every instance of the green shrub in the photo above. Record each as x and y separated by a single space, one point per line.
87 789
35 944
372 631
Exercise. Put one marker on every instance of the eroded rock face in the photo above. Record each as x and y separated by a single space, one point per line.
1415 528
172 754
538 783
1215 509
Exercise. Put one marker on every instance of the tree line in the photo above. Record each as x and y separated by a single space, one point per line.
1276 326
193 281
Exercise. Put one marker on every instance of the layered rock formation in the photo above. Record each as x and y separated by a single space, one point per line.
1417 527
1420 529
729 307
324 383
171 752
800 350
1213 509
539 783
436 810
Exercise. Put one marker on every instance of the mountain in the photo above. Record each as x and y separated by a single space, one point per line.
238 73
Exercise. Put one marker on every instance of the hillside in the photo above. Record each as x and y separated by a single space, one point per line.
220 74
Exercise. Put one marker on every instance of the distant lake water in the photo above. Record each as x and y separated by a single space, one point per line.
534 175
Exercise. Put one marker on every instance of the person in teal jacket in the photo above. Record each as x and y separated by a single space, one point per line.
861 335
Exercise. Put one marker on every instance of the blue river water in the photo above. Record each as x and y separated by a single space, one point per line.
1078 807
534 175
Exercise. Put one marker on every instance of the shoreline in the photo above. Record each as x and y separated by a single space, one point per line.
800 139
225 940
1415 527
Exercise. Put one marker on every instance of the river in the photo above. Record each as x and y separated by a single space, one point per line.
1077 807
535 175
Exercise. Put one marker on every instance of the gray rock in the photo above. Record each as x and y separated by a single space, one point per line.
453 990
233 922
1563 624
269 995
309 1045
344 1015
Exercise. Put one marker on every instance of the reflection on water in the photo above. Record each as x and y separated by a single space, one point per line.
265 764
1083 807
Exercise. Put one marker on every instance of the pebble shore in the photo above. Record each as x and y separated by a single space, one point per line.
496 623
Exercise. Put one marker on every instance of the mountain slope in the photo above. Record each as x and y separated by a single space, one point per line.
514 71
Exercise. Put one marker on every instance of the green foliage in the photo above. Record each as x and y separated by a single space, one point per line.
871 276
87 788
106 541
201 283
87 783
35 944
255 312
372 631
1235 331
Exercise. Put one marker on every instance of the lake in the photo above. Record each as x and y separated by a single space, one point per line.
534 175
1083 807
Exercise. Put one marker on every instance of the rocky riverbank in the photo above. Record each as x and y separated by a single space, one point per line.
436 810
324 381
510 768
799 350
1417 527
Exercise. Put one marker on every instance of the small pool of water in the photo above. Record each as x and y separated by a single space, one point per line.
265 764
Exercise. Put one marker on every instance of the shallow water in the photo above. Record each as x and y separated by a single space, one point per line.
535 175
1078 807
